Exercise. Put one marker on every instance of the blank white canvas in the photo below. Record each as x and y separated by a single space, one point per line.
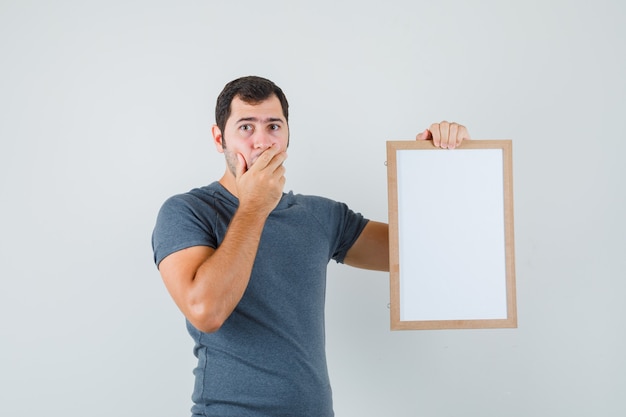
451 234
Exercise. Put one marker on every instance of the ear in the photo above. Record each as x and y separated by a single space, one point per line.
217 138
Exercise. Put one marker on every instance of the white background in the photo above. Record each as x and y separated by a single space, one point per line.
106 109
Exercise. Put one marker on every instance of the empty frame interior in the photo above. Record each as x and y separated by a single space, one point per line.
451 235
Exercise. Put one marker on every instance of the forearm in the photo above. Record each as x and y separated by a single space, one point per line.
221 280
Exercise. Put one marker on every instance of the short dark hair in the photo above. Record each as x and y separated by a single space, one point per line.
250 89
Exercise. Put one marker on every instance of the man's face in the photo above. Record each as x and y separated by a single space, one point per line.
250 130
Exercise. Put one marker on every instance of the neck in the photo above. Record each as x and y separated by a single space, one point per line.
228 182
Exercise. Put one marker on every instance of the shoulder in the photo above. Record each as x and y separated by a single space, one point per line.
197 199
314 201
188 219
325 210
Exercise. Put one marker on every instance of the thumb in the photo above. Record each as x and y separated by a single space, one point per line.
242 167
425 135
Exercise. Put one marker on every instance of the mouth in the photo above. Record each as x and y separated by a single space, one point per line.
253 160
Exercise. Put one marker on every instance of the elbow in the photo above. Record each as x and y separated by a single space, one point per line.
207 326
204 318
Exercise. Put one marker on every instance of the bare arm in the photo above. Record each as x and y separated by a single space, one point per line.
206 283
371 249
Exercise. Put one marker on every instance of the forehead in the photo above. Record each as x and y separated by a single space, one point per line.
269 108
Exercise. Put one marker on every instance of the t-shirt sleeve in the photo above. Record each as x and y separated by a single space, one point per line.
348 228
181 223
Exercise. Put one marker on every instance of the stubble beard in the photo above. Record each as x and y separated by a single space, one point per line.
231 161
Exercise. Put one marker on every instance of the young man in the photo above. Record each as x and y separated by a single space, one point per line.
246 263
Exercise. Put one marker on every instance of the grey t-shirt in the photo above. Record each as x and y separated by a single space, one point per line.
268 358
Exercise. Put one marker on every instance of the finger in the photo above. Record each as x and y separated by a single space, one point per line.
452 138
277 176
435 133
425 135
444 135
263 160
277 161
270 160
280 171
462 135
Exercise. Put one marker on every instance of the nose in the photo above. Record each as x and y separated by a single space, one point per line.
263 140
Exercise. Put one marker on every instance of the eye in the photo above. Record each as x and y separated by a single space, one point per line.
245 128
274 126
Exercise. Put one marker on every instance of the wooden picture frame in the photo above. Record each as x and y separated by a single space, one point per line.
451 242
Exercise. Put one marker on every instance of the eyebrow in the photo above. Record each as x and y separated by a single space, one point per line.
255 119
